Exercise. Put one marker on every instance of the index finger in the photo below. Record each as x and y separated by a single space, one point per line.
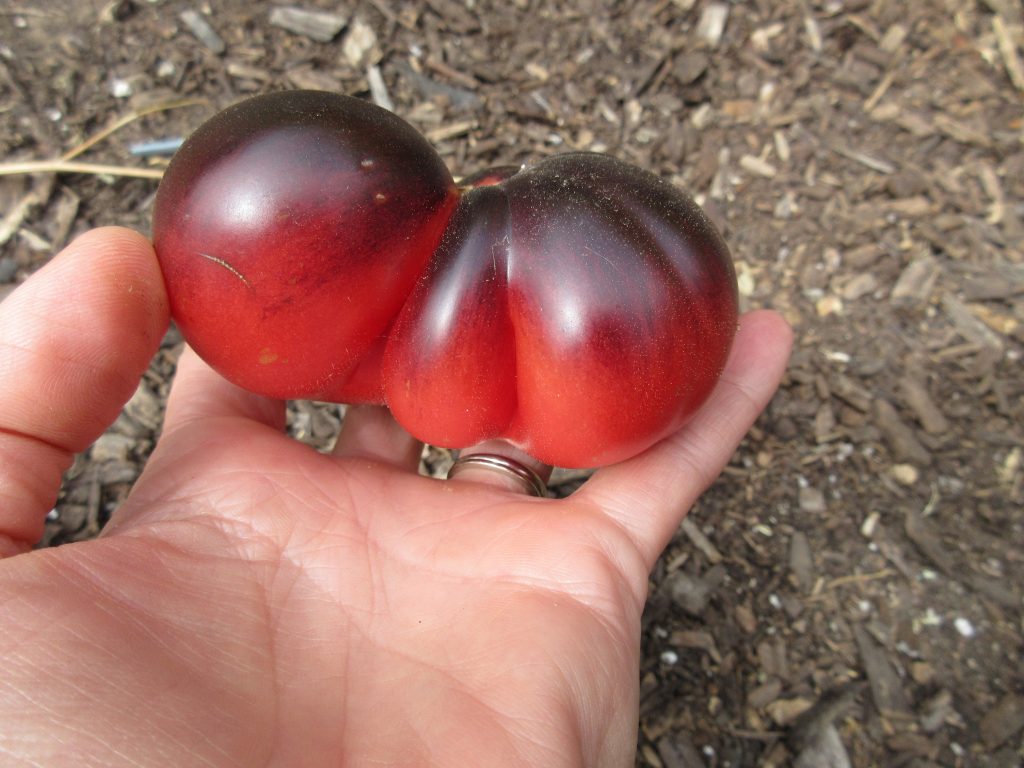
650 494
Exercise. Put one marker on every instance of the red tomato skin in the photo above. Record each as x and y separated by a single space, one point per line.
449 366
290 229
595 308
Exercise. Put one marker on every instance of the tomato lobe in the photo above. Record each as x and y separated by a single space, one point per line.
593 302
289 229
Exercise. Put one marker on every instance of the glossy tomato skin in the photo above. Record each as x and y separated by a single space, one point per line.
582 309
290 229
450 364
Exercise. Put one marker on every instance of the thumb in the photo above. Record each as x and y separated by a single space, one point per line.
74 340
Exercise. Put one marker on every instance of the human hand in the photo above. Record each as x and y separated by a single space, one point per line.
255 602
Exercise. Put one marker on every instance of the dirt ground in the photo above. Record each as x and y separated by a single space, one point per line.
851 590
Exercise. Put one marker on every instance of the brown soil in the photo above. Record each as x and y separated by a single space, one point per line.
851 587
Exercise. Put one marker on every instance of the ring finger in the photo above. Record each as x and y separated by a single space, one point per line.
501 465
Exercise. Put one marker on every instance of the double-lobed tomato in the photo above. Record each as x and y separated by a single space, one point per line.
315 246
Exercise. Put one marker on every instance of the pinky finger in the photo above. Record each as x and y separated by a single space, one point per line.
650 493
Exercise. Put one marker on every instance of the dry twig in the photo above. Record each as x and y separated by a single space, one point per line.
66 164
71 166
131 117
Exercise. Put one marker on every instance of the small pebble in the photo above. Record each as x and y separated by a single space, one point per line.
829 305
745 279
812 500
837 356
120 89
964 627
904 474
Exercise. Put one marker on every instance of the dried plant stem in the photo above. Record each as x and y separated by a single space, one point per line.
71 166
66 164
121 122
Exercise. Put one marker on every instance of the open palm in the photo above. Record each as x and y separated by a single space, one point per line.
255 602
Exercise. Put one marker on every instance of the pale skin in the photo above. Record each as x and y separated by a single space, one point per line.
256 603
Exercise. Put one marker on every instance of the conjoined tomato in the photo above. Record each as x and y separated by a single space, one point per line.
315 246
